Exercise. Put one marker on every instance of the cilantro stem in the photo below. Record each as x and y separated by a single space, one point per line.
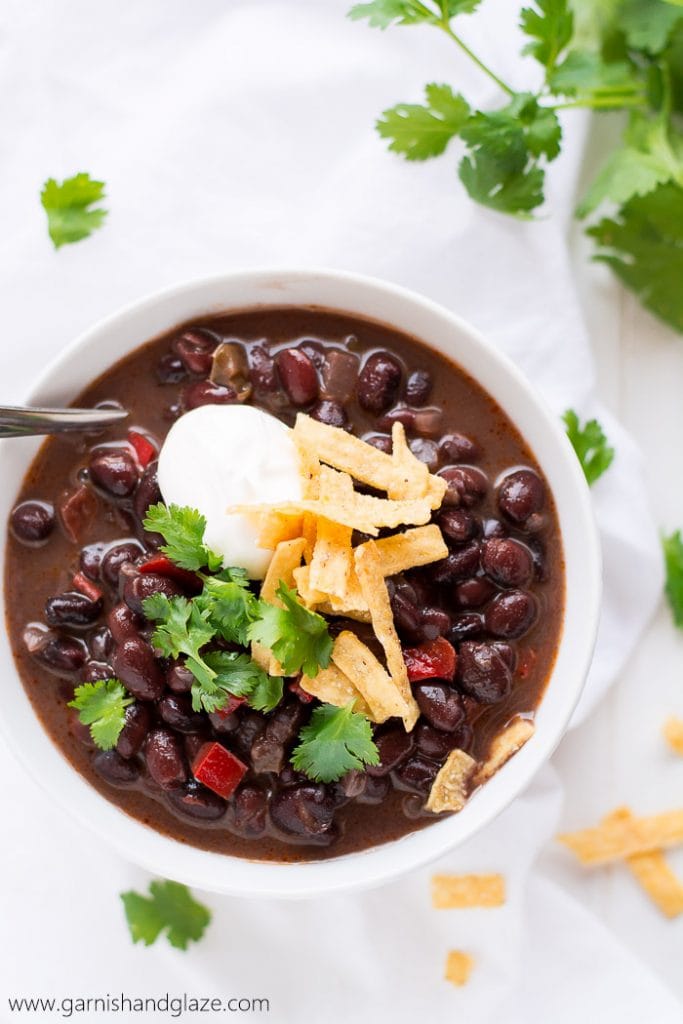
446 27
602 103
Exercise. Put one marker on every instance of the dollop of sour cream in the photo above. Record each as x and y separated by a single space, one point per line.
221 455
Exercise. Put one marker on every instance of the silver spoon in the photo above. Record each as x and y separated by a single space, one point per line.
17 421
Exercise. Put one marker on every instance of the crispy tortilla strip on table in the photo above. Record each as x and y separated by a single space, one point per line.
508 742
616 840
458 967
286 558
332 686
276 527
374 589
653 873
365 672
673 733
410 549
451 786
457 892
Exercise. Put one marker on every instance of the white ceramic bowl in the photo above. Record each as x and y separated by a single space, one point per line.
96 350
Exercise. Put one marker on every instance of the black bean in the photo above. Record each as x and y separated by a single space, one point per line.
32 522
114 769
116 556
457 524
179 679
339 375
379 382
285 722
434 622
195 348
148 492
113 470
460 448
511 614
137 721
196 801
508 562
262 370
507 652
418 774
304 810
90 559
62 655
136 667
315 351
473 593
406 613
467 485
138 588
193 743
521 494
465 627
249 809
267 754
170 369
380 441
330 412
350 786
123 622
440 704
72 609
426 451
165 758
375 792
419 387
494 528
176 710
94 670
250 725
100 643
394 745
205 392
462 562
482 672
298 375
432 742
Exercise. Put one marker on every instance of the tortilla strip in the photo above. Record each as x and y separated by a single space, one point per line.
365 672
503 746
616 840
673 733
457 892
410 549
333 687
286 558
332 558
450 788
458 967
276 527
376 595
360 512
310 597
653 873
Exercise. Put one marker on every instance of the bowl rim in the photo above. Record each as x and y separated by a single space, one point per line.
162 855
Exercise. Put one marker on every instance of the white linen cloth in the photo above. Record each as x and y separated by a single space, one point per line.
238 133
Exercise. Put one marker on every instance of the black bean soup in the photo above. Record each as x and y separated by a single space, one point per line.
74 590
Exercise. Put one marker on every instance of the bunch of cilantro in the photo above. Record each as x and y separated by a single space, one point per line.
604 55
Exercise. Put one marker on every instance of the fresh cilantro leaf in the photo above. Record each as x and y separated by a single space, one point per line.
587 75
643 245
419 132
231 605
648 24
170 907
239 676
550 24
183 628
648 159
68 205
183 530
267 693
590 444
500 172
102 705
673 561
298 638
542 130
382 13
335 741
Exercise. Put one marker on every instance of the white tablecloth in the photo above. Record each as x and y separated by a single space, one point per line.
237 133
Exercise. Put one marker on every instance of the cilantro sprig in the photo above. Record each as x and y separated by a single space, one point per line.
102 706
622 55
170 908
673 563
183 531
70 208
590 444
298 638
335 741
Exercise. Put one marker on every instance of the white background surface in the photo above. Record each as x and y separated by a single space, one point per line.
165 106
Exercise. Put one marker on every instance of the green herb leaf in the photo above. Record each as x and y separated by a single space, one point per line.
500 172
298 638
590 444
68 205
382 13
231 605
335 741
183 530
643 245
550 24
102 705
589 77
419 132
648 24
239 676
170 907
673 561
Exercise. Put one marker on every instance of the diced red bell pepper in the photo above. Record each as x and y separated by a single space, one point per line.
434 659
87 587
77 511
232 705
165 567
143 448
218 769
299 691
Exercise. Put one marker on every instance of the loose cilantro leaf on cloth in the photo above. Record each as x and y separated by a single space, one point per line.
170 907
673 561
419 132
550 25
643 244
335 741
382 13
298 638
592 79
69 208
590 444
102 705
183 530
647 24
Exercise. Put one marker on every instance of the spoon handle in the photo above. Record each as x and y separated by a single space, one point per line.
16 421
